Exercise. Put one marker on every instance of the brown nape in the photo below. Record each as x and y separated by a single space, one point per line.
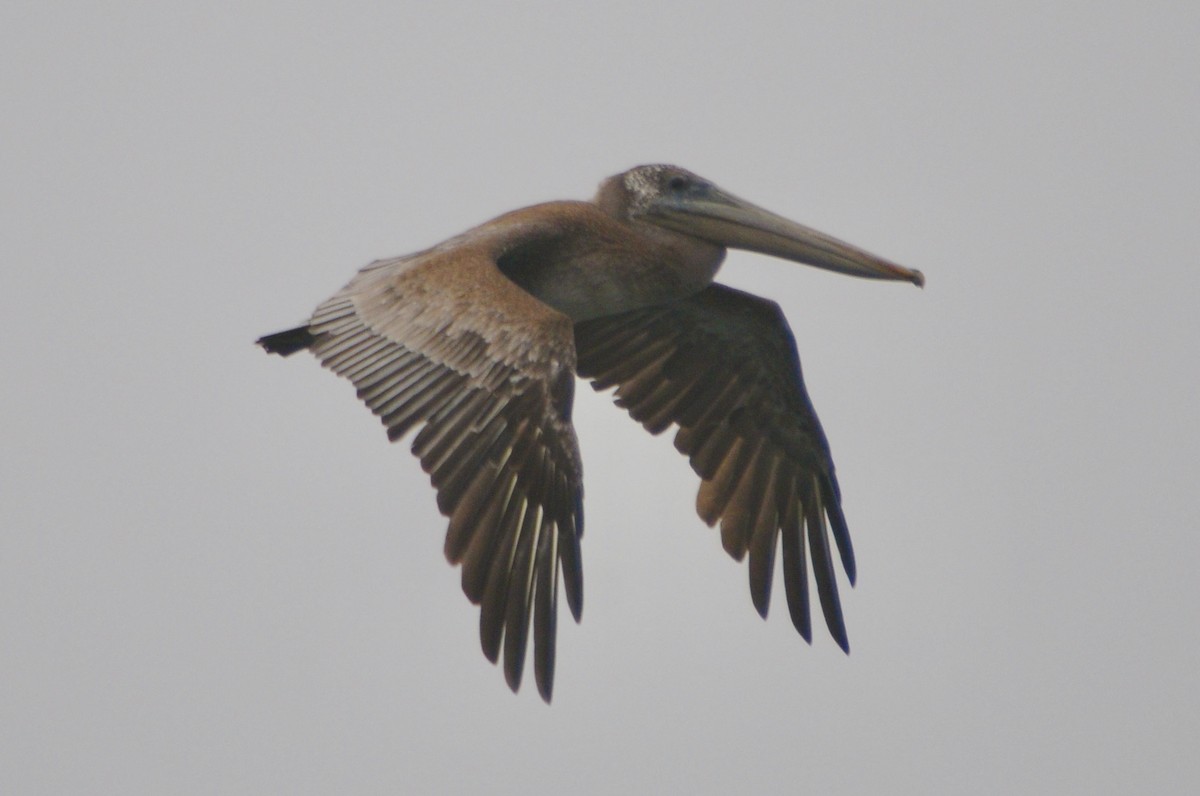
612 197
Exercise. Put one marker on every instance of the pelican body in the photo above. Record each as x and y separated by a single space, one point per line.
477 342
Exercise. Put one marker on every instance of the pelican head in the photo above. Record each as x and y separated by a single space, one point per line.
678 200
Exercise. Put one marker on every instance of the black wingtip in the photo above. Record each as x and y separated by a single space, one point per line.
837 524
572 570
834 620
513 669
287 342
491 632
545 689
822 565
760 583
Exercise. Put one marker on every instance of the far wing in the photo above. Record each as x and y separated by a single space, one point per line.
722 366
443 341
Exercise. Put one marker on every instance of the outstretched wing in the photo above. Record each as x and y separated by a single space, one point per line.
722 366
443 341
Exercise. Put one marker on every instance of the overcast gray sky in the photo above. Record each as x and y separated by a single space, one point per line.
216 576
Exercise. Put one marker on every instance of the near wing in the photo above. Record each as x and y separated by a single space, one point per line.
722 366
487 371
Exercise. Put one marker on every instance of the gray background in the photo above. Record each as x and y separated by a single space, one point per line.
217 577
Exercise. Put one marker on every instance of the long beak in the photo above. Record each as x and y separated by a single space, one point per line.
725 219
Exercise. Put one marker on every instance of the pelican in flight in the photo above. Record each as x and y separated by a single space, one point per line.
477 342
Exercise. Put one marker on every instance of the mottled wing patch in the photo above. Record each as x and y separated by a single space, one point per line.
486 373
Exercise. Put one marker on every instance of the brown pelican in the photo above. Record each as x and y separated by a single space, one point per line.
477 341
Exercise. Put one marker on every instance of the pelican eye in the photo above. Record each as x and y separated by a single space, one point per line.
678 183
